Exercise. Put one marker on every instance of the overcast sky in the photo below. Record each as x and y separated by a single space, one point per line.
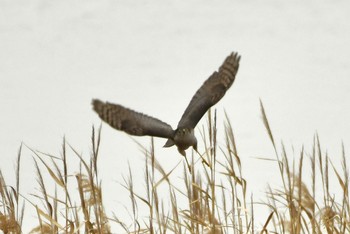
55 56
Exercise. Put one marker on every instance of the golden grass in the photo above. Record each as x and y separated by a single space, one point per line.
214 189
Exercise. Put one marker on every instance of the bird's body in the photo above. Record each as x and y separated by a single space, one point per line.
183 139
138 124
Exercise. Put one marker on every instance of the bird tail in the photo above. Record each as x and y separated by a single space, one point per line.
169 143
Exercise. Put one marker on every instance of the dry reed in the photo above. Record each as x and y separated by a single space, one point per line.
214 188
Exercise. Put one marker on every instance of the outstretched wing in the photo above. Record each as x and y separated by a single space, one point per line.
213 89
130 121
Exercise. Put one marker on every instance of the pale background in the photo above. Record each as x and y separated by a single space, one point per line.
55 56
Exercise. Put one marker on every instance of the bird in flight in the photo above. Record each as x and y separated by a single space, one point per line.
138 124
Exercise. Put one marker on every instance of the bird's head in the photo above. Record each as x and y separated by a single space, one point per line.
184 138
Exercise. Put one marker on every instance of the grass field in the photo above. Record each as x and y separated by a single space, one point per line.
215 192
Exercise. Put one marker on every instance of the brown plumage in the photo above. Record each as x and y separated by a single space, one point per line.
138 124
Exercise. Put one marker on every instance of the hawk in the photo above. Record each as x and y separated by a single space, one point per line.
138 124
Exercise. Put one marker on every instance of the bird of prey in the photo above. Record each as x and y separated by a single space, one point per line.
138 124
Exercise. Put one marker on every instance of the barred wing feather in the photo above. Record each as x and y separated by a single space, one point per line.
212 90
131 122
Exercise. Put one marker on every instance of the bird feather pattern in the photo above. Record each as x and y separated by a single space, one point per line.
138 124
212 90
131 122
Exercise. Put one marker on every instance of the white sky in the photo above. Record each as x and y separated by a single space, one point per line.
55 56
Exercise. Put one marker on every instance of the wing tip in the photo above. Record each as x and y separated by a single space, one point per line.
231 63
97 104
235 56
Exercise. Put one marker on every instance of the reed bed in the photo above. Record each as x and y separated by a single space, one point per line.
213 193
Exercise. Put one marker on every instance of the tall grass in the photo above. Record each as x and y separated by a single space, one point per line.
211 199
296 208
